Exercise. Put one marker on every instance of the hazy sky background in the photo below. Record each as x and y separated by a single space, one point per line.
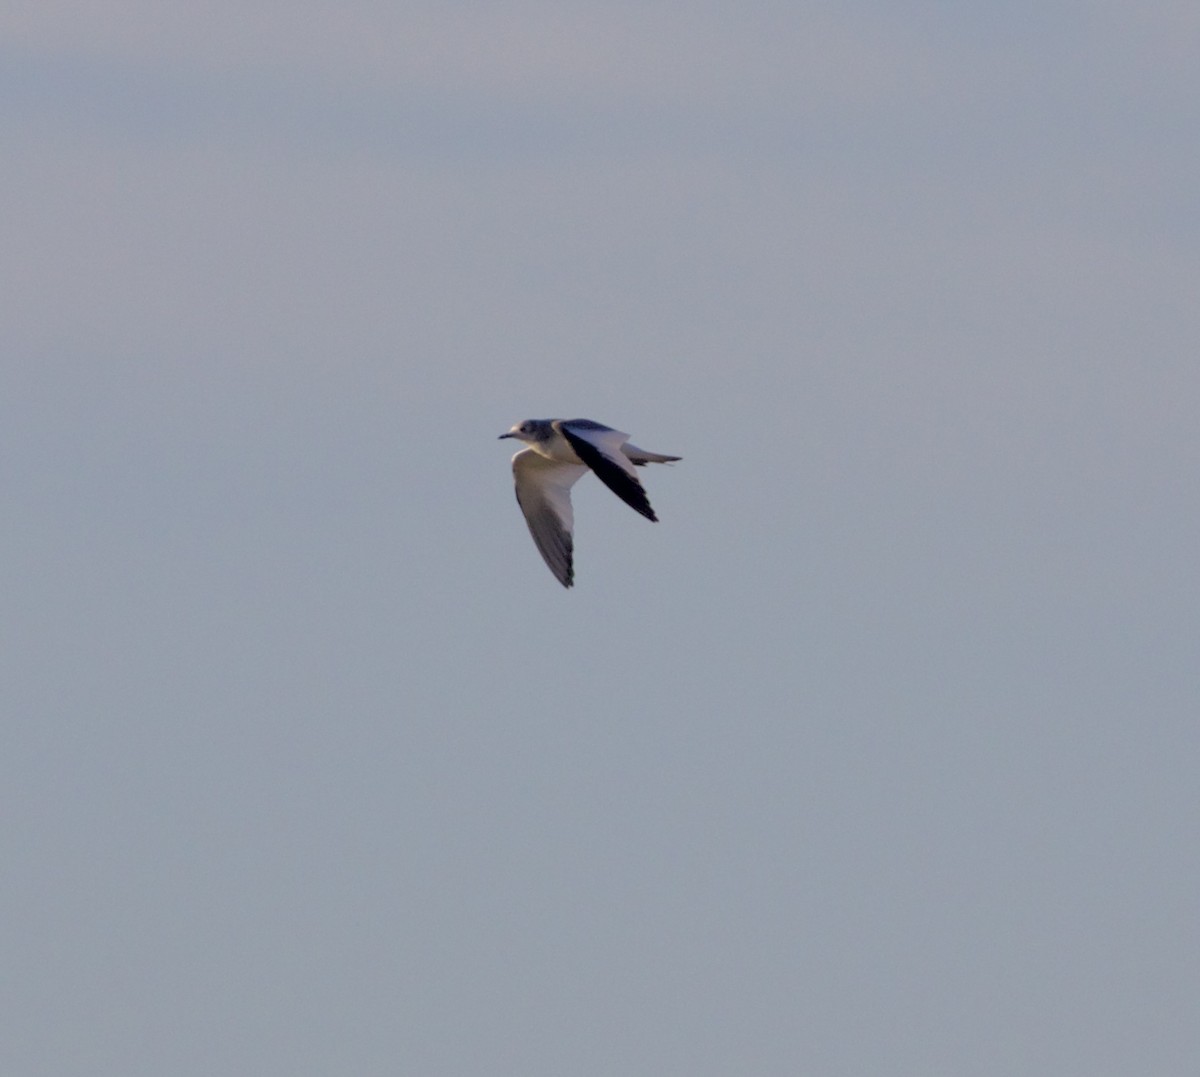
877 756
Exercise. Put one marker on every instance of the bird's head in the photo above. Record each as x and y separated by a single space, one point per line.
529 430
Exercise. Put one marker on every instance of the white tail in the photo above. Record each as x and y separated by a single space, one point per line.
641 456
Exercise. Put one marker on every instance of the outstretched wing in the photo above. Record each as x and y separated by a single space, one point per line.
599 447
544 494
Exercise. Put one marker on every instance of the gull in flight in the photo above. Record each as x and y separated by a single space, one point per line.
559 455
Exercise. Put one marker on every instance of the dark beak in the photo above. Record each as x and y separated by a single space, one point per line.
503 436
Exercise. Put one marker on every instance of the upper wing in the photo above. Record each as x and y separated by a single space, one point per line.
544 494
600 448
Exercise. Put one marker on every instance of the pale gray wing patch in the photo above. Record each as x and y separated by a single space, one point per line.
544 494
614 443
603 438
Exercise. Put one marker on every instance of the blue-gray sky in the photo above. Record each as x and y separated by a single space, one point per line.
877 755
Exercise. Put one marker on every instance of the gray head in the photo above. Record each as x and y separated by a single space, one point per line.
531 430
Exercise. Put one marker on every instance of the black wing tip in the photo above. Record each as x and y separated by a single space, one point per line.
567 577
624 485
635 497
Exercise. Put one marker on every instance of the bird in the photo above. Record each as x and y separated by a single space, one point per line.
559 454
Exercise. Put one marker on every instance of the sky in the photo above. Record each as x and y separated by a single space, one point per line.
876 755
